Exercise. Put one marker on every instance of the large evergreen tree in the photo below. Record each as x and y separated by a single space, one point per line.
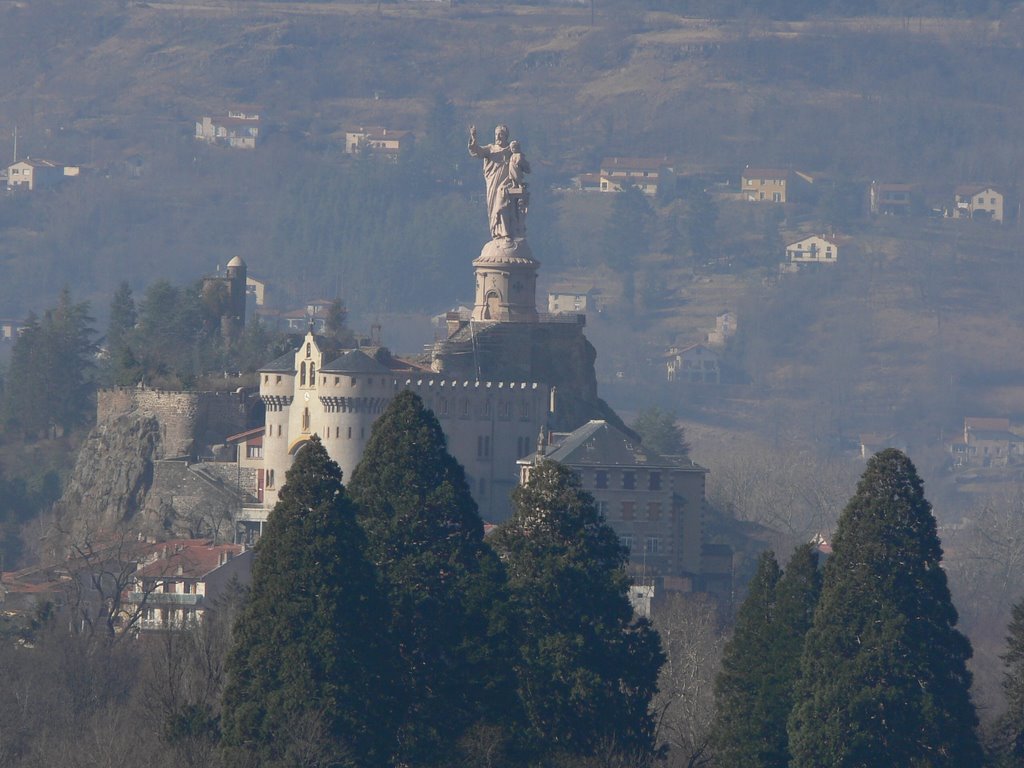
742 734
586 669
754 689
49 379
309 674
444 584
884 677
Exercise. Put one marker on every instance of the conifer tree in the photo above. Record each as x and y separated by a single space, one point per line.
444 584
884 678
754 690
586 670
742 734
309 674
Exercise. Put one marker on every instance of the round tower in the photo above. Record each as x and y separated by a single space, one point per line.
354 390
506 282
236 276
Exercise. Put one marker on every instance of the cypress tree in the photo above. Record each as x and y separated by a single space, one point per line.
444 584
745 690
884 677
586 669
309 673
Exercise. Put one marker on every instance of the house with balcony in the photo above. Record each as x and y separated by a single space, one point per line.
694 364
816 249
181 580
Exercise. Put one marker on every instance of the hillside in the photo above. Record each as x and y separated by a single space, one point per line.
909 332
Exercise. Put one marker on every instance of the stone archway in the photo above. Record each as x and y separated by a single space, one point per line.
492 305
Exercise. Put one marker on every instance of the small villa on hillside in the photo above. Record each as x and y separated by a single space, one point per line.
987 442
694 364
239 129
816 249
386 142
892 199
978 201
31 174
643 173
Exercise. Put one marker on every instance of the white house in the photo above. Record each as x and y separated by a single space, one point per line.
816 249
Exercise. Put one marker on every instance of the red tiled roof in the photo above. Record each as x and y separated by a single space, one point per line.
242 437
188 558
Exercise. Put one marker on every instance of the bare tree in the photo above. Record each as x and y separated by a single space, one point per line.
102 596
692 638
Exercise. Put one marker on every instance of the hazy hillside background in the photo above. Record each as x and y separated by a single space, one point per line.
916 328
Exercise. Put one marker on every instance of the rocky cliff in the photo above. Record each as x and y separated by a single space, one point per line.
112 475
135 428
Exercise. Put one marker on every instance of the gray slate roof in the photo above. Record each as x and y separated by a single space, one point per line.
284 364
355 361
598 443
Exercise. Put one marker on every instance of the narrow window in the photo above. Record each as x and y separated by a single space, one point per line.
629 480
654 481
601 478
302 374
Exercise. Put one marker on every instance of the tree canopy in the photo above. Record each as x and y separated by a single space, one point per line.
311 669
884 679
48 383
443 583
587 670
660 432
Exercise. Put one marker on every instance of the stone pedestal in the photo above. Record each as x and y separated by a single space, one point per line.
506 282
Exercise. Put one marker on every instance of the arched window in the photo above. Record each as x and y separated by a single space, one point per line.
305 419
302 374
312 374
309 349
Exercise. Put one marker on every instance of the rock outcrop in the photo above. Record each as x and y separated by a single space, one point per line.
112 475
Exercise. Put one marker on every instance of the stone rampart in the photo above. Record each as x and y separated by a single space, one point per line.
187 419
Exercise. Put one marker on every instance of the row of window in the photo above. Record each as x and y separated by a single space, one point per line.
652 545
628 480
628 510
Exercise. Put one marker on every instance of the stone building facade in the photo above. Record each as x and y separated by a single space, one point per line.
488 424
656 504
